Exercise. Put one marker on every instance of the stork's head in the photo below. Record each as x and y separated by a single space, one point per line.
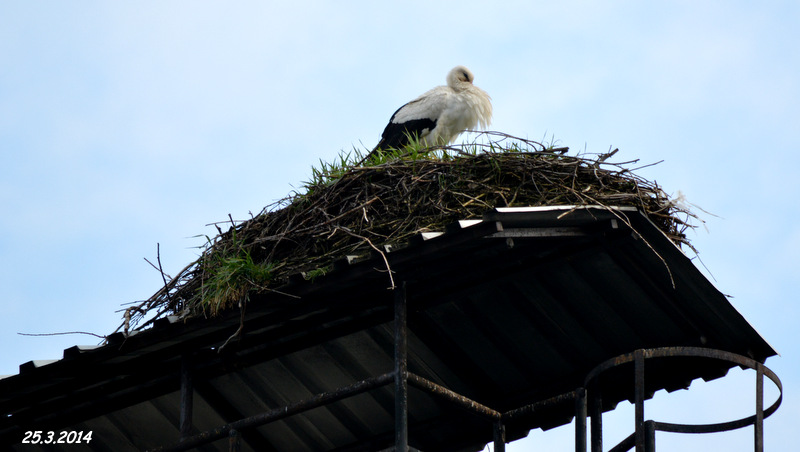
459 75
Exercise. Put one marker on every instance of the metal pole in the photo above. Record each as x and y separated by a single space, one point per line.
454 397
650 436
499 436
235 441
580 420
597 418
187 393
400 369
638 366
277 414
759 422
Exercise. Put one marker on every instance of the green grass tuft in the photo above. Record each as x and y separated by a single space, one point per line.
230 277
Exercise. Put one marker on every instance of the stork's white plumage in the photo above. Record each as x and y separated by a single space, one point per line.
441 114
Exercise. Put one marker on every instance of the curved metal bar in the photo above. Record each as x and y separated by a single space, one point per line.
668 352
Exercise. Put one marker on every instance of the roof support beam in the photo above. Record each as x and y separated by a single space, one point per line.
187 396
499 436
234 441
596 408
400 369
759 421
638 363
580 420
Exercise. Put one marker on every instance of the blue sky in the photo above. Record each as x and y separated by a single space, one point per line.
127 125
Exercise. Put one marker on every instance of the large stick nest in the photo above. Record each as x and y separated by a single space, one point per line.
353 210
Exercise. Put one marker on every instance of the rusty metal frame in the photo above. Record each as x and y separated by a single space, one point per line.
187 396
643 438
401 368
277 414
587 402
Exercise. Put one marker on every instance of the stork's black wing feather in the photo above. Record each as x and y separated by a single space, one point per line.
396 135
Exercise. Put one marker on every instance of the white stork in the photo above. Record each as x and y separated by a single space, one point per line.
440 115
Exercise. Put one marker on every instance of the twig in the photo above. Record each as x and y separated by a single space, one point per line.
239 330
61 334
161 270
383 255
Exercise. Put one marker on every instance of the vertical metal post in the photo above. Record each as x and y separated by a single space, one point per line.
499 436
234 441
650 436
580 420
400 369
759 423
597 418
638 368
187 396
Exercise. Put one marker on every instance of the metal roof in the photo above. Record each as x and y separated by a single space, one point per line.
511 310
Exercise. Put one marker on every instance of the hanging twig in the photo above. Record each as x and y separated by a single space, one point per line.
62 334
383 255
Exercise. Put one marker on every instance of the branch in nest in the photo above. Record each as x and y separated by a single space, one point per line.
383 255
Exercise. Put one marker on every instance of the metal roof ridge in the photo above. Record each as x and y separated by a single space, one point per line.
563 207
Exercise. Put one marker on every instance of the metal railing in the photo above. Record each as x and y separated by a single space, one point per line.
643 438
